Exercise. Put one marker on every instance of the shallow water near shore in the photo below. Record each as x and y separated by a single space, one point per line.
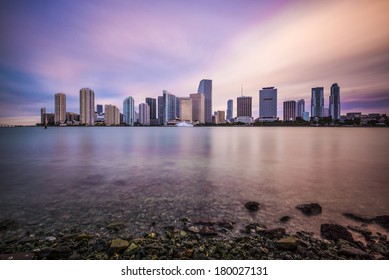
150 178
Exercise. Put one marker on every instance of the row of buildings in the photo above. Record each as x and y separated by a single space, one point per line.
195 108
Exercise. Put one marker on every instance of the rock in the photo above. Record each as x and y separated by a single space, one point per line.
365 232
349 251
58 253
358 218
183 234
252 206
335 232
287 243
255 228
285 219
274 233
193 229
50 238
183 253
131 250
83 236
115 226
310 209
118 246
382 221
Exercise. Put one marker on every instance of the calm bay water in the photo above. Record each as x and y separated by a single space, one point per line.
152 177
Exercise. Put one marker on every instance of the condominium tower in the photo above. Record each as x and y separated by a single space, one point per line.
112 115
60 108
334 109
186 111
169 107
300 108
289 110
268 103
144 114
230 110
129 111
317 102
152 102
198 107
205 87
244 106
87 106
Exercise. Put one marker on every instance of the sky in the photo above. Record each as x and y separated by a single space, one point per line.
139 48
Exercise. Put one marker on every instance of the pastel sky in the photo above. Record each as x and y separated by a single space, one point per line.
139 48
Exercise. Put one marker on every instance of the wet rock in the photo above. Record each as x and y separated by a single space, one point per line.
252 206
194 229
364 232
285 219
131 250
335 232
287 243
382 221
83 236
226 225
183 253
115 226
118 246
310 209
349 251
274 233
358 218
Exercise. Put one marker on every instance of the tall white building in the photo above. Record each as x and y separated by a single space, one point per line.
198 107
186 109
112 115
144 114
268 103
60 108
87 106
129 111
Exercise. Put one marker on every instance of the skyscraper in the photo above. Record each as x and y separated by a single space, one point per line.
268 103
169 107
334 109
221 116
185 109
230 110
205 87
112 115
87 106
289 110
60 108
43 115
144 114
99 109
160 110
244 106
152 102
129 111
198 107
317 102
300 108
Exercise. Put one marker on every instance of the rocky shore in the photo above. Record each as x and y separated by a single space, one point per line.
202 240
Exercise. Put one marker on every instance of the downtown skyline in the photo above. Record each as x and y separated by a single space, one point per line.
132 49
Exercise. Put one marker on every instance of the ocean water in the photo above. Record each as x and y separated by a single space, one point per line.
151 177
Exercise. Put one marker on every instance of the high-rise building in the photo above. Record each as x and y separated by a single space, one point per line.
221 116
198 107
60 108
300 108
244 106
152 102
289 110
178 109
99 109
129 111
185 109
334 109
160 109
230 110
144 114
43 113
112 115
317 102
268 103
169 107
87 106
205 87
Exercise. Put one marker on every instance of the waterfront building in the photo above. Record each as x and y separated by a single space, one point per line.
230 109
99 108
221 116
152 102
169 107
205 87
289 110
87 106
186 109
215 119
334 103
305 116
268 104
300 108
317 102
160 110
43 112
198 107
112 115
144 114
129 111
244 106
72 117
60 108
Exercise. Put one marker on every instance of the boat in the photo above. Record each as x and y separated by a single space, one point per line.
184 124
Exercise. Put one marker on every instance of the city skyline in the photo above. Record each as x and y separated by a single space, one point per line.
71 45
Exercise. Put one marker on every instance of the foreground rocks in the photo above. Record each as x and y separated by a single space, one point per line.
310 209
201 240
